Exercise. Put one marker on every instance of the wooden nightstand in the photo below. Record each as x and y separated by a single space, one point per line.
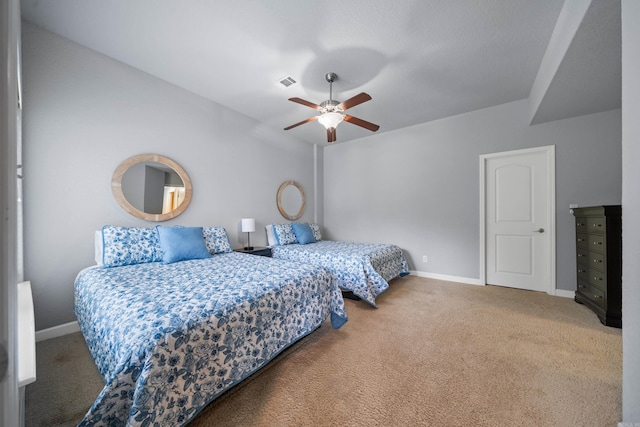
257 250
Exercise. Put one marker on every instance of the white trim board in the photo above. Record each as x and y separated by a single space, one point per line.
446 277
469 281
566 294
57 331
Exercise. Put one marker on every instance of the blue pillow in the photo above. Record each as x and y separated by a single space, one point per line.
181 243
303 233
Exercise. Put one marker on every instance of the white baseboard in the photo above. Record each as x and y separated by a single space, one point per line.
57 331
566 294
629 424
469 281
446 277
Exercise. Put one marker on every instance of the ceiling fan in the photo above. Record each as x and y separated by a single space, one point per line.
331 111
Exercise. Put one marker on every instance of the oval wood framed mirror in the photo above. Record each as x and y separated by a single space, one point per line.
291 200
151 187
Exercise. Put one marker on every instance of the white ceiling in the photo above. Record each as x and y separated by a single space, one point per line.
420 60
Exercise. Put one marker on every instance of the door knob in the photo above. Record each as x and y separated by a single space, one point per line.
539 230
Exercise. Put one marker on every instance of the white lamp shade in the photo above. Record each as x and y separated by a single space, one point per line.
330 120
248 225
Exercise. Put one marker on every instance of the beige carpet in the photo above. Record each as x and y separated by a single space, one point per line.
433 354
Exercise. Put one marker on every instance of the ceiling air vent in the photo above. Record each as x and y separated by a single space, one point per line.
287 81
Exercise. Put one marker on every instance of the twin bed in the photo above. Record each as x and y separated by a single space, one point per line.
363 269
171 325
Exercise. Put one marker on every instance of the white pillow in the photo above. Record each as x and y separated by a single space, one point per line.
98 247
271 237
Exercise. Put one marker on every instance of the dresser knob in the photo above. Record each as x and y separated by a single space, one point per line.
582 271
597 225
580 240
597 296
597 278
597 260
597 243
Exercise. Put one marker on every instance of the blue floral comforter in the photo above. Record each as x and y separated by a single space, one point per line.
170 338
362 268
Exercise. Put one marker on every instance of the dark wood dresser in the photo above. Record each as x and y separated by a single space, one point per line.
599 261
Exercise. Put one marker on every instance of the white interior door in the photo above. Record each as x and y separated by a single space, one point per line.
519 219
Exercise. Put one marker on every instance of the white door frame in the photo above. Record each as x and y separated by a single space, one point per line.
550 151
9 39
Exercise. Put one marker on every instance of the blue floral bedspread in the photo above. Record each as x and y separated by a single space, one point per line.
170 338
362 268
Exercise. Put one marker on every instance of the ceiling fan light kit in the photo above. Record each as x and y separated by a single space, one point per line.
330 120
331 112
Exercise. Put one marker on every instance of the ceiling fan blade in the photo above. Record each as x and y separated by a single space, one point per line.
362 123
353 101
305 103
310 119
331 135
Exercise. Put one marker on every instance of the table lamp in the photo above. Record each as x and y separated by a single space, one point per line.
248 226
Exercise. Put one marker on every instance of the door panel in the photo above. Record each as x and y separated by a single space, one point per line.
513 194
514 254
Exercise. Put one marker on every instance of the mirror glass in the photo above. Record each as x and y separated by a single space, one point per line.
151 187
290 199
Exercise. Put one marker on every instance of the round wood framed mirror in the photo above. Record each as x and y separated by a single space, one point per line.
151 187
291 200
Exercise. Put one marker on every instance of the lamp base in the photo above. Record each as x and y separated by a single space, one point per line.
248 248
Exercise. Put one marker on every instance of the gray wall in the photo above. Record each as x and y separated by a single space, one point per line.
85 113
419 187
153 189
630 211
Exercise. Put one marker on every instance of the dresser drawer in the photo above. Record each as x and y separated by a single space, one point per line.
596 243
592 242
582 255
594 225
593 277
582 240
591 259
593 294
596 261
